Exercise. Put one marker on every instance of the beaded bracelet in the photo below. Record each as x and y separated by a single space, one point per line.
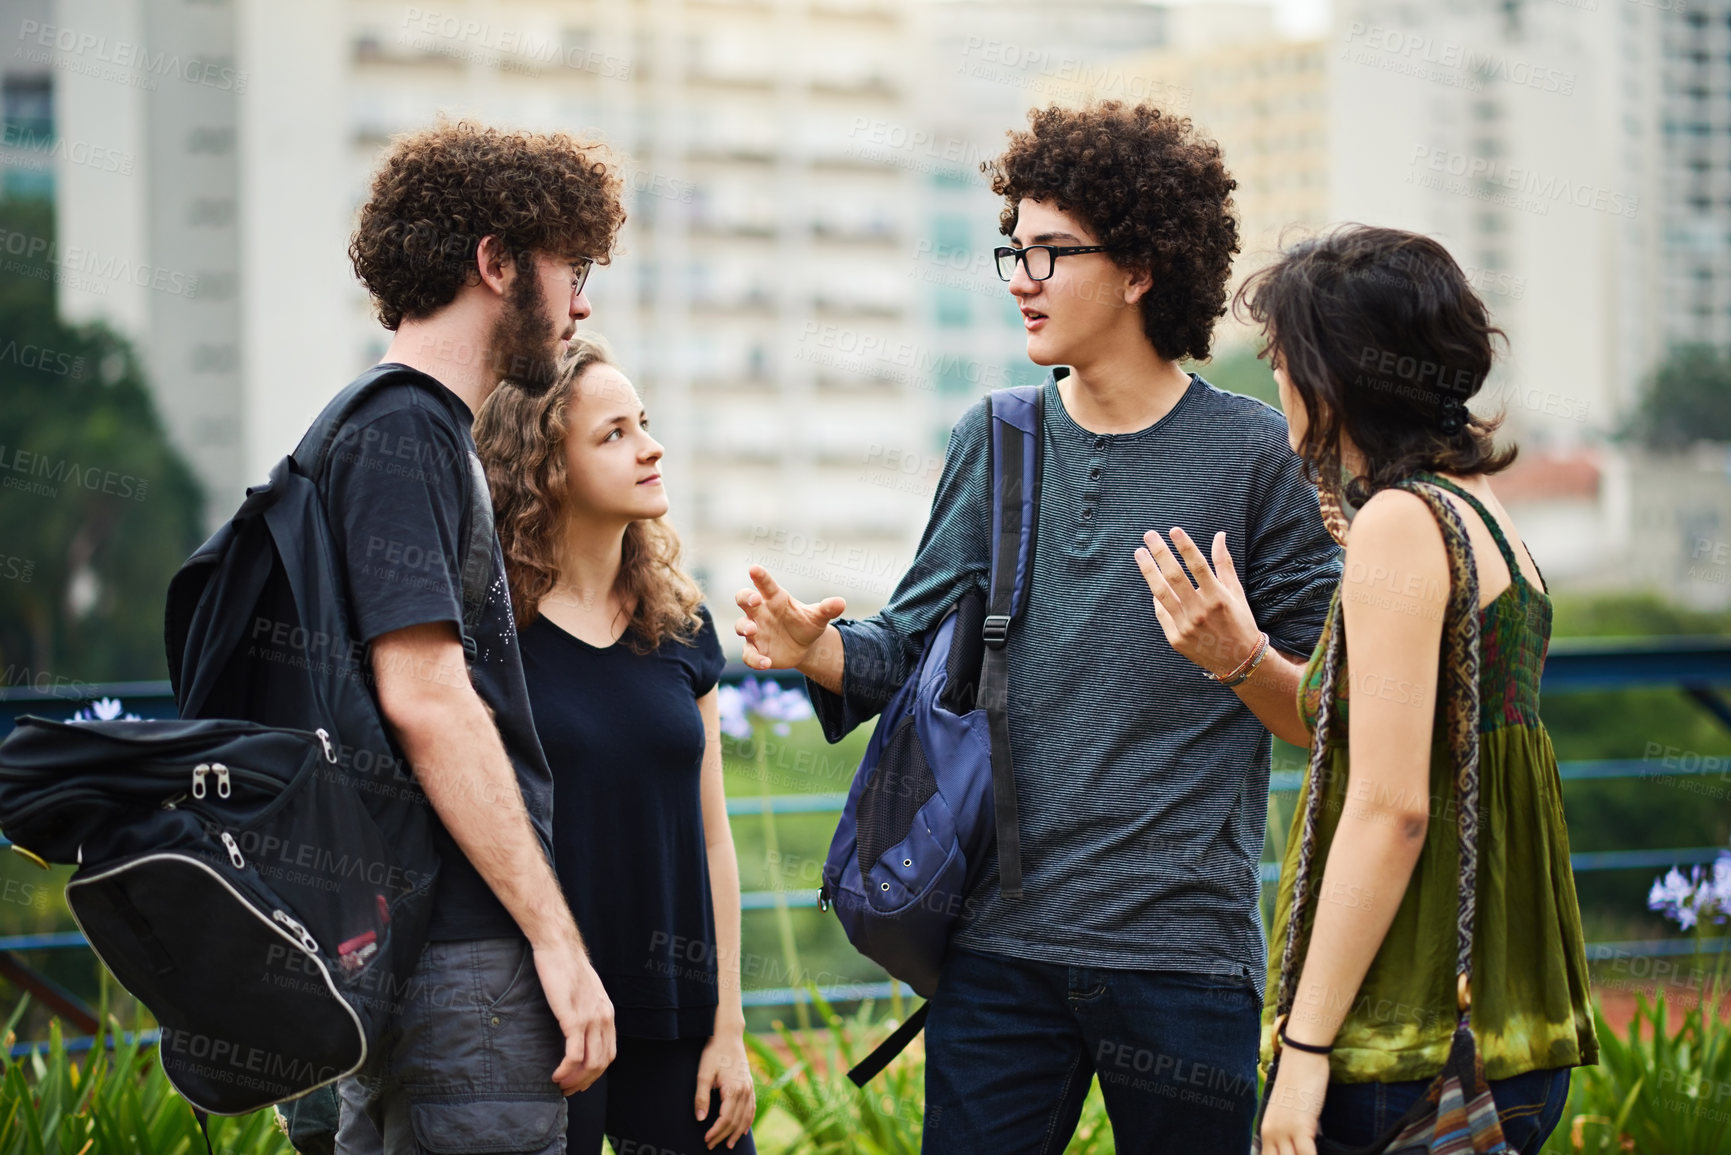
1245 668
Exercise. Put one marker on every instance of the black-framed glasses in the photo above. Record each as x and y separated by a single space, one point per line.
1037 259
580 273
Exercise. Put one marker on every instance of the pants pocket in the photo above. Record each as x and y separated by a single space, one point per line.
1530 1106
499 967
490 1127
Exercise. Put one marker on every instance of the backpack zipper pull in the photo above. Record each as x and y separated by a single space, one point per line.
198 773
234 855
222 789
325 741
308 943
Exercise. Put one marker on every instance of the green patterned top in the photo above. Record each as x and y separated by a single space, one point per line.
1531 1006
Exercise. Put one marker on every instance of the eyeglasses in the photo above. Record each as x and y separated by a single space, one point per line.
580 273
1037 259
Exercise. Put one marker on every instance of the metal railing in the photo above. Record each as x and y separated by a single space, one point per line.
1698 667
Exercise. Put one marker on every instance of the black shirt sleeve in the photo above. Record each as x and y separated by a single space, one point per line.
707 660
393 491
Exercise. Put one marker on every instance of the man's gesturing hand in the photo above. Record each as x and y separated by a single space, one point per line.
780 632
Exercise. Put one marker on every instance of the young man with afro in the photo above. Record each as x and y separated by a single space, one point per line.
1136 949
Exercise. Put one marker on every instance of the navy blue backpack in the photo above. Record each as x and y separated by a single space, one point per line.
935 788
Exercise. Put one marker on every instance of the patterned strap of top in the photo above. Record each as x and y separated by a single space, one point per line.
1460 646
1490 524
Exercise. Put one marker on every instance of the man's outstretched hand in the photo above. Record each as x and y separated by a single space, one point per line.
779 631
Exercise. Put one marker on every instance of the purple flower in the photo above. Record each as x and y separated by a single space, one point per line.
734 723
104 710
1697 897
1673 896
766 699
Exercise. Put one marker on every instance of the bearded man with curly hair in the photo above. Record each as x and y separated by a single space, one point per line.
1135 949
474 244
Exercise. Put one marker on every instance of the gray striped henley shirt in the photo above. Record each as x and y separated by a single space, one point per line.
1143 786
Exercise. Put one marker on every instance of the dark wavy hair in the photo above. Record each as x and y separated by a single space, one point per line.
1382 338
439 191
1156 196
520 437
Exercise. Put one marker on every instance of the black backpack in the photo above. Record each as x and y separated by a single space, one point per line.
259 874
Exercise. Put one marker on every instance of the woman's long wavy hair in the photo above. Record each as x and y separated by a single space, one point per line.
521 440
1382 338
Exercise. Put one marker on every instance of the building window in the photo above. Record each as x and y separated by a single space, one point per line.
27 103
952 307
28 184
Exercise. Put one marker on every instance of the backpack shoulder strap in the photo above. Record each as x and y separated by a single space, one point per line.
477 557
475 561
1013 455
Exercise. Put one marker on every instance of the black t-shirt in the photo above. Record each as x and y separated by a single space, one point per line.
396 489
625 740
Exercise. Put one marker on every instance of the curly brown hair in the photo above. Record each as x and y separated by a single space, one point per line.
1382 338
520 437
1156 196
438 192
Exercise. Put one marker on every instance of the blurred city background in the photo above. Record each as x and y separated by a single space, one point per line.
803 289
805 296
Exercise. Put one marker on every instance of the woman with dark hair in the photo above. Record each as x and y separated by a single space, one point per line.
622 660
1377 343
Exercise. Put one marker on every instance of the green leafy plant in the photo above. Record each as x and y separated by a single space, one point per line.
1655 1091
115 1102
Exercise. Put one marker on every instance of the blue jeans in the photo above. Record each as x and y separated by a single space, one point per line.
1529 1107
1012 1046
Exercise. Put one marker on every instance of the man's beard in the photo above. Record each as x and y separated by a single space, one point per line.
522 351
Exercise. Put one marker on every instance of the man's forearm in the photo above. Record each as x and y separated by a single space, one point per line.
455 751
826 661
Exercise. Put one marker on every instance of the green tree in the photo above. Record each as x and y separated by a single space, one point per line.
1238 370
1687 400
97 510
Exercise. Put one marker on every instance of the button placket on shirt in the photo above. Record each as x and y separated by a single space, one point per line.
1091 490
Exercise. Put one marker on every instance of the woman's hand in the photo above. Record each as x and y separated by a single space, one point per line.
1289 1123
725 1067
1210 622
